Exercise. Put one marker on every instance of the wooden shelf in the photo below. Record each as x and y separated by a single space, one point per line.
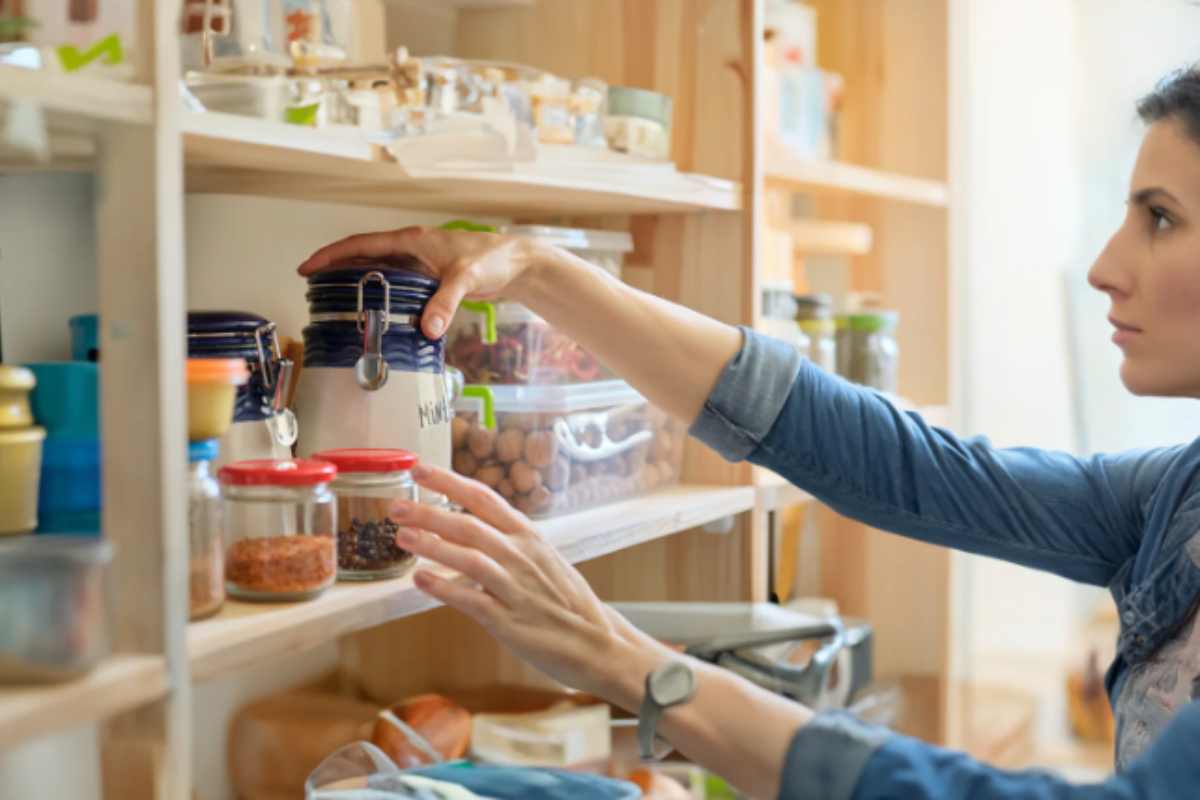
783 169
75 99
121 683
241 155
244 633
822 237
775 493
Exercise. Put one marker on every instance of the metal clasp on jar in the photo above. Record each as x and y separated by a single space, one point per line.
371 369
277 376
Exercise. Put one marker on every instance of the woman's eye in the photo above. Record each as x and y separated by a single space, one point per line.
1160 219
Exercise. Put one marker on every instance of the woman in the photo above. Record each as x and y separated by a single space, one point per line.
1128 521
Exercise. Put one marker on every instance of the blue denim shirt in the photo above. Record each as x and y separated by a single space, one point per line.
1127 521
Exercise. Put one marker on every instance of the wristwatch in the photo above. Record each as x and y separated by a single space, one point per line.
672 684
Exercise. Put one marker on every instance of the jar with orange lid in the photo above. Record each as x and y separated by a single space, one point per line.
280 528
212 385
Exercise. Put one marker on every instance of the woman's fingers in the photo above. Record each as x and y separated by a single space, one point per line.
461 529
471 563
364 245
476 604
442 307
481 501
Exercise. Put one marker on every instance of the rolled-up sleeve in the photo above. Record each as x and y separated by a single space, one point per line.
827 757
748 397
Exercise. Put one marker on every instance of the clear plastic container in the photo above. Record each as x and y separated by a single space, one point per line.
506 344
557 449
54 619
280 529
206 541
368 483
605 249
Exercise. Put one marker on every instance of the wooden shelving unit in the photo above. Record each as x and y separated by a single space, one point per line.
228 154
75 100
244 633
783 169
121 683
697 237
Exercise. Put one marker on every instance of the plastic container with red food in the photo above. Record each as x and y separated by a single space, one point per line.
553 450
280 528
504 343
507 344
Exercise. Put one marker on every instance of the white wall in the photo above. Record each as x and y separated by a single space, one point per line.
1021 212
1051 134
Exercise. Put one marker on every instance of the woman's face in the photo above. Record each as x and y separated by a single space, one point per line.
1150 269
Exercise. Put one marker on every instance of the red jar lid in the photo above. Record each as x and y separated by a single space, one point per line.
369 459
268 472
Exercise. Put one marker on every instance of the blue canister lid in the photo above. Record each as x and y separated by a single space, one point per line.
203 450
333 338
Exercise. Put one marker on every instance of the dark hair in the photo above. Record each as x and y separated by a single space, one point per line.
1176 97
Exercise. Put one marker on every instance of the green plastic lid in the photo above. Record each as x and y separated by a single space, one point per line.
873 322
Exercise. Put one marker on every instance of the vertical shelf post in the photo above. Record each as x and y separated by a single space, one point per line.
147 753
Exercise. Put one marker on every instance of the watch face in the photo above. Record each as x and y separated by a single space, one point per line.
672 684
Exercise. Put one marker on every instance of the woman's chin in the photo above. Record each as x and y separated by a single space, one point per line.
1144 380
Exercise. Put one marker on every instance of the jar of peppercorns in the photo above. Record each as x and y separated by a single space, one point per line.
368 483
280 528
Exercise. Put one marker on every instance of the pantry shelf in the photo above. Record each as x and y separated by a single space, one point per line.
121 683
228 154
786 170
245 633
77 101
821 237
775 493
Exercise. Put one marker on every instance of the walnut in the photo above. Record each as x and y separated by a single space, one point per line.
524 477
557 475
465 463
482 443
540 449
459 428
490 475
506 490
510 444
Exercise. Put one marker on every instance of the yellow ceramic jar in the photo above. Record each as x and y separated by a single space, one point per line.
20 469
15 385
212 393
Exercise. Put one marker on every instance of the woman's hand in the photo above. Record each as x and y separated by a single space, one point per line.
527 595
470 265
539 606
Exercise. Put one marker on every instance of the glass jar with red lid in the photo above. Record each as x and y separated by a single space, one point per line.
369 482
280 528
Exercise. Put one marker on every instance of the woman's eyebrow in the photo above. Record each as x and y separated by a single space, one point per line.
1143 197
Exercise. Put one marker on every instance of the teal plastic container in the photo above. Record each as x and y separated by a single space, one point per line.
66 403
85 337
66 400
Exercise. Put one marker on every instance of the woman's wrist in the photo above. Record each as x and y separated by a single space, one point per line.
545 274
621 674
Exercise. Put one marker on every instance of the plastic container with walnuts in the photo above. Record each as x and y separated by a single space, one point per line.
556 449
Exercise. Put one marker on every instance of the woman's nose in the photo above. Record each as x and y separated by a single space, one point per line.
1111 271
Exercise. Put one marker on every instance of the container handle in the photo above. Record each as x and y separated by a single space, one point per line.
488 312
566 431
487 401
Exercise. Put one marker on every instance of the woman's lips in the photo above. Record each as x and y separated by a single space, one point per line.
1124 333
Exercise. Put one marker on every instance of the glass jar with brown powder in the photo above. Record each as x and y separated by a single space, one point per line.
280 529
